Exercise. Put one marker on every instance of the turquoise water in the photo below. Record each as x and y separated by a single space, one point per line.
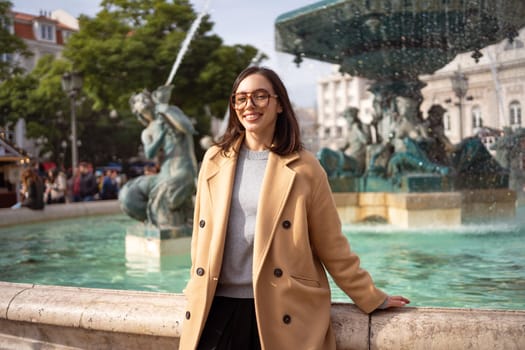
473 267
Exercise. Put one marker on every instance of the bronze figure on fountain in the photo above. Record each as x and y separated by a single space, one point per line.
163 200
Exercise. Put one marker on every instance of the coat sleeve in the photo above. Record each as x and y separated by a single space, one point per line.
333 249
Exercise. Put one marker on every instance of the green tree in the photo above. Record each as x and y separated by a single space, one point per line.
34 98
128 46
10 45
131 45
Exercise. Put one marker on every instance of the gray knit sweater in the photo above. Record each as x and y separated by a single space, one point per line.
236 275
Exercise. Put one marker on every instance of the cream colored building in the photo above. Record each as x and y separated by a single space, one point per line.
495 97
335 93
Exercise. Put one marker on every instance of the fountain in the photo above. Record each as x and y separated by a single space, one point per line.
413 174
80 317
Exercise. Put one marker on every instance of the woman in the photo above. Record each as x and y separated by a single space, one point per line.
32 190
56 185
265 229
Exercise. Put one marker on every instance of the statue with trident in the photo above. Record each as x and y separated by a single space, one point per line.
163 200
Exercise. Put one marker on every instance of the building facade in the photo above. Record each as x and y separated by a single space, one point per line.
44 34
494 97
335 93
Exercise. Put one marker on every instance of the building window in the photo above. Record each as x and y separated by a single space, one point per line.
515 113
477 121
446 121
47 32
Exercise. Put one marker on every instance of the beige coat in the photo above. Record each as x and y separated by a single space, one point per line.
298 235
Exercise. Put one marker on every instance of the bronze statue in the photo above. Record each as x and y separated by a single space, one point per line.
163 199
351 159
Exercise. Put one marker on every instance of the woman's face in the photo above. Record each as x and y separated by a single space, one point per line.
259 122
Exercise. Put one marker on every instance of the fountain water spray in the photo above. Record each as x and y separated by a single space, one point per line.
187 40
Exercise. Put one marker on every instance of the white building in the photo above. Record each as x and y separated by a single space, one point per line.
495 96
335 93
306 118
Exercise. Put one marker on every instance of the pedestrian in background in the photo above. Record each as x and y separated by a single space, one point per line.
88 182
109 188
32 190
56 186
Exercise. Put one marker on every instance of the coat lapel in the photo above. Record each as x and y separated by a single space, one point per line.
276 186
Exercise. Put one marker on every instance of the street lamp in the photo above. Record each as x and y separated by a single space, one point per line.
460 86
72 84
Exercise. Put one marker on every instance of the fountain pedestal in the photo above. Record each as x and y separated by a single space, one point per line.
488 205
148 240
413 210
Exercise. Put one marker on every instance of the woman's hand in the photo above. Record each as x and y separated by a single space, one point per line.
396 301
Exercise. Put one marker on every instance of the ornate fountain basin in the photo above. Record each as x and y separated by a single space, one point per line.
385 39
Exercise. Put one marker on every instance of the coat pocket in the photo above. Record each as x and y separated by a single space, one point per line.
306 281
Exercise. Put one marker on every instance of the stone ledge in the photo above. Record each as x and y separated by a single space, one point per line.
55 317
447 328
135 312
9 217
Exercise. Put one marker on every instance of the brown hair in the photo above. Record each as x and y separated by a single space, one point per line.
28 175
287 138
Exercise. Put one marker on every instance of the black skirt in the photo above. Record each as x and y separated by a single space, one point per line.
231 325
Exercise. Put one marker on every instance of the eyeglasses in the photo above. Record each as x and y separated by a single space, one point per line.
259 98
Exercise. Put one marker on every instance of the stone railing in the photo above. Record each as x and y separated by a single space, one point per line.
53 317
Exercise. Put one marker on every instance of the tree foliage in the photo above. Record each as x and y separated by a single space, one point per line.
130 45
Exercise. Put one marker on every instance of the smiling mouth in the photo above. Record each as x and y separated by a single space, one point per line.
250 117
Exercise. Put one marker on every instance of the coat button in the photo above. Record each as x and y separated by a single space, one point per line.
200 271
287 224
188 315
202 223
287 319
277 272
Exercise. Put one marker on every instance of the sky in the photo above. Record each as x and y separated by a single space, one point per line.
236 22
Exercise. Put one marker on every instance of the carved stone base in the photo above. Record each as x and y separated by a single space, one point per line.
409 210
148 240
